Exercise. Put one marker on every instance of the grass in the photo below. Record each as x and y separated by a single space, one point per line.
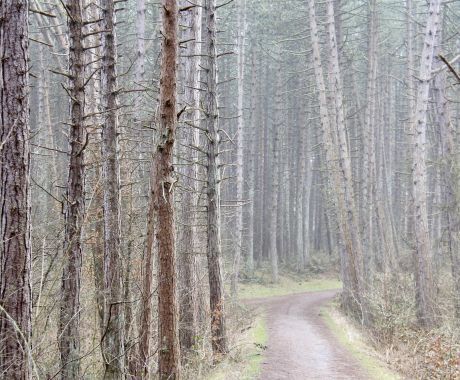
354 342
287 285
247 365
254 360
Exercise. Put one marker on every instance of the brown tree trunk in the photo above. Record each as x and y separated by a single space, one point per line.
69 321
113 326
15 252
214 249
163 200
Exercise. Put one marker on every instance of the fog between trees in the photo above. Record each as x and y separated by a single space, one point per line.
153 156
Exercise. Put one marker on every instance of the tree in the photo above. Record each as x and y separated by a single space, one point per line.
191 19
15 248
423 272
239 148
163 181
214 249
338 160
69 321
113 350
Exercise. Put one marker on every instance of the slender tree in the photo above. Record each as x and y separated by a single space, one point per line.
163 180
191 19
113 350
214 248
15 250
240 144
69 321
423 269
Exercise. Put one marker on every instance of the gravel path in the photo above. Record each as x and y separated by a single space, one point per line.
300 346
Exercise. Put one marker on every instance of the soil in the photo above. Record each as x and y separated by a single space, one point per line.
300 345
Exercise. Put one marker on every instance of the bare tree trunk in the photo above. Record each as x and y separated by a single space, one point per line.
338 163
69 321
188 244
424 282
113 334
252 139
241 30
214 249
274 188
15 251
163 180
449 172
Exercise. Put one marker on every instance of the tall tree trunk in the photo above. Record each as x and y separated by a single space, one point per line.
15 251
188 244
352 239
214 248
252 139
113 326
69 321
241 30
450 175
338 163
424 282
274 181
163 180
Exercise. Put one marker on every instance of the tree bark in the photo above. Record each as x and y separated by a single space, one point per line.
241 30
214 249
113 350
15 251
163 180
425 301
69 321
188 244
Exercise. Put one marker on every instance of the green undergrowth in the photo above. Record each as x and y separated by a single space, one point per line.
288 284
355 343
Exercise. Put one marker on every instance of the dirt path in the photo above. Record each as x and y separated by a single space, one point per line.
300 346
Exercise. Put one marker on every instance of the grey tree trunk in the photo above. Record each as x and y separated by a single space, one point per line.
214 249
425 301
113 350
188 244
240 144
338 163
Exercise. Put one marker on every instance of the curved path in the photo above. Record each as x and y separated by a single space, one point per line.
300 346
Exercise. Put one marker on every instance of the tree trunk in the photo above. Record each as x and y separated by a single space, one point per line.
69 321
188 244
338 163
241 30
15 251
113 350
214 249
163 180
425 301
